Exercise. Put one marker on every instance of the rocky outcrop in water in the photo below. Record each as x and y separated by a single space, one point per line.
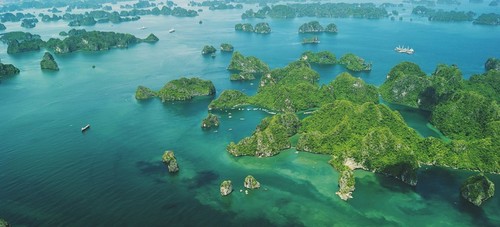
169 159
48 62
477 189
492 63
143 93
8 70
4 223
251 182
226 187
210 121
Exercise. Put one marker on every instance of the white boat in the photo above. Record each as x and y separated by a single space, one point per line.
406 50
85 127
142 28
171 30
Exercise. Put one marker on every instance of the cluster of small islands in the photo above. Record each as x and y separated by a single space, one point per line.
345 117
348 123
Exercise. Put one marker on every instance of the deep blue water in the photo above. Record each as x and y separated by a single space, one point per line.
52 174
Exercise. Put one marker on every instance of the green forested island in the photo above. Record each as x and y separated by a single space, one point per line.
76 40
207 49
322 58
8 70
260 28
250 64
354 63
315 27
350 125
330 10
226 47
178 90
48 62
477 189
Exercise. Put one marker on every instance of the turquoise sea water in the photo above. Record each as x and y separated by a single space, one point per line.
52 174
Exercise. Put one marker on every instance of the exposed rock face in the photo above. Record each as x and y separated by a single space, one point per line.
8 70
477 189
143 93
210 121
48 62
311 27
226 187
4 223
169 159
251 182
346 184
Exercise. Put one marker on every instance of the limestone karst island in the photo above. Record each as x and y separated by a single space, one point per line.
249 112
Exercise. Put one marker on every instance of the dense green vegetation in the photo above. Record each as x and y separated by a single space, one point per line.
75 41
460 109
331 28
311 27
216 5
226 47
229 99
270 137
321 58
242 76
250 182
8 70
406 84
295 88
477 189
48 62
488 19
315 27
330 10
2 27
354 63
208 50
347 87
445 16
492 63
246 27
371 134
93 41
250 64
170 161
211 121
262 28
143 93
178 90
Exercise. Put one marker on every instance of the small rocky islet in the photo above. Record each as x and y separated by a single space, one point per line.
477 189
170 161
48 62
178 90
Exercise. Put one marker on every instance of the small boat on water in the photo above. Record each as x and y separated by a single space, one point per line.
171 30
142 28
86 127
406 50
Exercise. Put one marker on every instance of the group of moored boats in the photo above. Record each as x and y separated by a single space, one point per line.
406 50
